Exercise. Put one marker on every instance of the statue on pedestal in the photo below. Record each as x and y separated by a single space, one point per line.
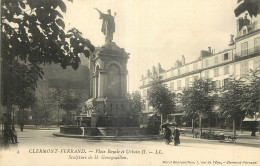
108 25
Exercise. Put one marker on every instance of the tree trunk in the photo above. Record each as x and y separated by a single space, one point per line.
46 121
7 116
68 118
192 123
216 122
19 117
241 123
200 125
1 65
36 117
209 123
44 109
259 128
234 126
22 119
254 125
58 117
161 123
13 128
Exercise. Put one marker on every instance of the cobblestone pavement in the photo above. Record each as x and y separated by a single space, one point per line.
41 148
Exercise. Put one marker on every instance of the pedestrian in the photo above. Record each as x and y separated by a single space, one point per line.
21 125
176 134
168 135
14 136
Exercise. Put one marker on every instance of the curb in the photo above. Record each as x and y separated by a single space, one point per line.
112 138
225 141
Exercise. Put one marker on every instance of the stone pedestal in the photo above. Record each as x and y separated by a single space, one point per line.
109 106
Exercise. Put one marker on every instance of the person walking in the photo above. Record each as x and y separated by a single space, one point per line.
22 126
168 135
176 134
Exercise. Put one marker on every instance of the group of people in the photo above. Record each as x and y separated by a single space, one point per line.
10 135
168 135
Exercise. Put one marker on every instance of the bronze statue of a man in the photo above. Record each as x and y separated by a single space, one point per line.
108 25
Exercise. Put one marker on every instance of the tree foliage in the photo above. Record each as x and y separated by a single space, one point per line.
198 99
20 83
67 101
161 98
231 99
153 127
136 102
251 96
33 33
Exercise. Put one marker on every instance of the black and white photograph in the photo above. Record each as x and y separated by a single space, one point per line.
130 83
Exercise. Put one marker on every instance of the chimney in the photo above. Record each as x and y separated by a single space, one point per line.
231 40
209 49
246 21
183 60
142 76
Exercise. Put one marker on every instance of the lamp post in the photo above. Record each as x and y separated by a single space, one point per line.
58 117
13 128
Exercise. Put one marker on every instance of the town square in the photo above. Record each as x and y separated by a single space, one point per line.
130 83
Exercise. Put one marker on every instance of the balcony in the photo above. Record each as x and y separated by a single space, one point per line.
247 52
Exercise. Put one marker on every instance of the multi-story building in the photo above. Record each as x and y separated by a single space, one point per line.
241 55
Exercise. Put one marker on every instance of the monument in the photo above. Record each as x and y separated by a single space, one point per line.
109 110
108 114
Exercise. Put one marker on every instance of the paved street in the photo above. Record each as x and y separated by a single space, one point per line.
40 147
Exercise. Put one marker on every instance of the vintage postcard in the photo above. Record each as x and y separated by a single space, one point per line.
110 82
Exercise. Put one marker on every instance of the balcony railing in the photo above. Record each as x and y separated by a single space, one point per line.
247 52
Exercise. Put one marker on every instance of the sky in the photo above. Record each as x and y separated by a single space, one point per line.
157 31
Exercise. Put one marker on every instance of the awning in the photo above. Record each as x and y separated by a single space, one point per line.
251 119
178 114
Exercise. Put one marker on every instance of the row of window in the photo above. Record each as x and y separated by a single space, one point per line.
179 83
226 56
219 84
244 69
216 71
216 60
215 84
186 70
244 47
196 66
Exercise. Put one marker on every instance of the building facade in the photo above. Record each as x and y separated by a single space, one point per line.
241 55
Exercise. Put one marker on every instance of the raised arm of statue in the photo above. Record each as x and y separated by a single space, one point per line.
98 10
